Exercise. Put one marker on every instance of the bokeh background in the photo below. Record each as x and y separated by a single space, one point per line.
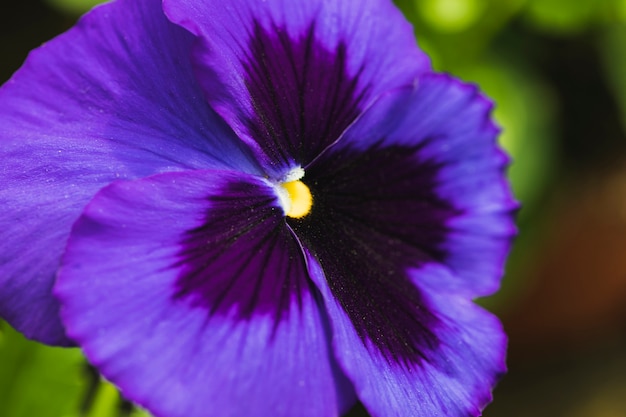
557 71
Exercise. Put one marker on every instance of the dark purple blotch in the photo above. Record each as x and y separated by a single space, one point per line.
302 94
376 214
243 256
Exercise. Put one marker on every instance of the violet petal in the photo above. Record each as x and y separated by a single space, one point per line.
455 380
165 339
289 76
411 219
112 98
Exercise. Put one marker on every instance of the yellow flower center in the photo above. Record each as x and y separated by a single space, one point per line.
300 199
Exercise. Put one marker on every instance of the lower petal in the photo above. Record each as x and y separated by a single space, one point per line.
188 291
453 378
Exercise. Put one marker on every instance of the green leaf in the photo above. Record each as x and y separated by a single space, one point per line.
74 7
38 380
613 49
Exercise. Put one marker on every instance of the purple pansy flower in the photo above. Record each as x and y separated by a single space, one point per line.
256 208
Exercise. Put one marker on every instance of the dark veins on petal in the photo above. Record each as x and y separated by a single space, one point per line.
301 92
375 214
242 257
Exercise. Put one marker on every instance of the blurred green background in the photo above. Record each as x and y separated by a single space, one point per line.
557 71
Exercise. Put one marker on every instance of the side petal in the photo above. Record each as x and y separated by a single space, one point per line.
189 292
422 168
112 98
386 236
454 375
290 76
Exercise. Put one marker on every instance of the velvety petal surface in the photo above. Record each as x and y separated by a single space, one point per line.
112 98
291 76
411 219
189 292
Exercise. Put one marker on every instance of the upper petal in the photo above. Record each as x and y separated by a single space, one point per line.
112 98
290 76
189 292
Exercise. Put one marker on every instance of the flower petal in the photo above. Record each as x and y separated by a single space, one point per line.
112 98
422 170
452 378
410 194
289 77
189 292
